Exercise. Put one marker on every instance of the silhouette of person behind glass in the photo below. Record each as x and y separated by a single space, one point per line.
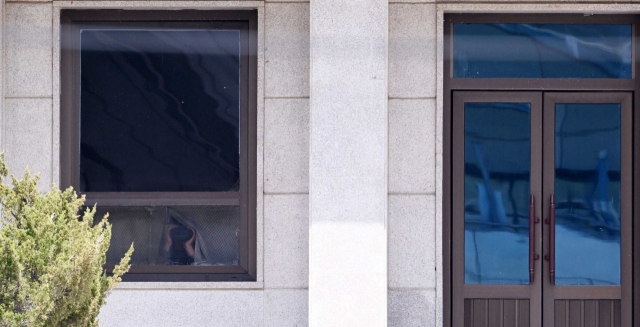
179 243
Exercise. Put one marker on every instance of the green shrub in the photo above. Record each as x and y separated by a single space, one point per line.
51 262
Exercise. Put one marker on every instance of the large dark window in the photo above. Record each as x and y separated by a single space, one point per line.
158 129
160 110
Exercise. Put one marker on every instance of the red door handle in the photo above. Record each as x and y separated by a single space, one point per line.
533 256
552 240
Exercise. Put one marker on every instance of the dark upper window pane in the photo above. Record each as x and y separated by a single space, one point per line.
159 110
541 50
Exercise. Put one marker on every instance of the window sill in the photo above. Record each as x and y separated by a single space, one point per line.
190 285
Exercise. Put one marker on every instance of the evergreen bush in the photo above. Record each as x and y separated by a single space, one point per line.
51 260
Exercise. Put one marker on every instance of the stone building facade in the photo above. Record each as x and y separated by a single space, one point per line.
349 157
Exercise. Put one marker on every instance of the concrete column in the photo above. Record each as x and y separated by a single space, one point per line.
348 163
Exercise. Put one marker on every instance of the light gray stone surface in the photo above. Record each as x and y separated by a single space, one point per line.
412 51
286 141
412 128
28 60
412 241
286 256
260 145
210 286
411 1
162 4
27 137
287 49
223 2
411 308
439 172
438 240
183 308
286 308
348 163
55 176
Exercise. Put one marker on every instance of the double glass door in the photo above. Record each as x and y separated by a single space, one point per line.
541 216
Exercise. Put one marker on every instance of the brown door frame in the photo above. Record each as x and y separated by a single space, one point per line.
531 292
540 84
624 291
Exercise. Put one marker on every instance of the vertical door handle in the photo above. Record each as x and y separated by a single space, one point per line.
533 256
552 240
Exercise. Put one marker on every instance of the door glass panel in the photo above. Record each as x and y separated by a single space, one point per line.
497 168
542 51
587 194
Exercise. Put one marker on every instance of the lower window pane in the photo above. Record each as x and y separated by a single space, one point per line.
182 235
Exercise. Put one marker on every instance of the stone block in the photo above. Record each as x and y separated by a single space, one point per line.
411 1
27 138
28 49
287 49
286 248
412 129
286 146
412 308
286 308
412 50
412 239
160 308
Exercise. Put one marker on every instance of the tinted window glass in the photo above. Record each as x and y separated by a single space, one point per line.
587 194
497 145
202 236
159 110
542 50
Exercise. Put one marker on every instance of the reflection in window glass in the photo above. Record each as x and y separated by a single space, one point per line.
177 235
497 145
541 51
159 110
587 194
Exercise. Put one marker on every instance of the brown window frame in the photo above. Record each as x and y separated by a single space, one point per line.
451 84
72 21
